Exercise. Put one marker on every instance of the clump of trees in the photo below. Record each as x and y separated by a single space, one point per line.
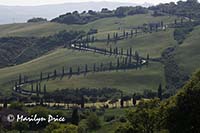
125 11
181 33
176 114
33 47
86 17
189 9
35 20
174 75
82 95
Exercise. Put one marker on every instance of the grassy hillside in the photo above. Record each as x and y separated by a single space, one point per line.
48 63
187 54
153 43
128 81
132 80
106 24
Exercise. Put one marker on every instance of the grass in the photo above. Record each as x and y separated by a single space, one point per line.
106 24
132 80
50 62
187 54
129 81
152 44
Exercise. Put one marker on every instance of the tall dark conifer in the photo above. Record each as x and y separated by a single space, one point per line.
94 67
122 100
45 89
78 70
160 92
134 101
20 79
41 76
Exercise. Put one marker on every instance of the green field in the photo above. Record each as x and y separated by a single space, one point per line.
128 81
188 54
103 25
50 62
150 43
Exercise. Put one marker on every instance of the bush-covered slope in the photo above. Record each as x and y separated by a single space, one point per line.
16 50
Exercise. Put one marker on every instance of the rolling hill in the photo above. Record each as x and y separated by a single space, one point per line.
134 81
103 25
187 55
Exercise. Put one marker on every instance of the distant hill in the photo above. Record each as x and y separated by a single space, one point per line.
18 14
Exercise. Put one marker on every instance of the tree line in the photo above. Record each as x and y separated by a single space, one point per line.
122 63
86 17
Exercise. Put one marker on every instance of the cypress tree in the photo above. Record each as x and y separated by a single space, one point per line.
132 33
82 102
32 88
101 67
37 90
129 61
39 85
16 86
70 71
108 39
126 61
127 52
5 103
105 51
162 24
93 38
156 27
63 71
55 73
94 67
137 57
124 33
78 70
20 79
175 21
110 66
130 51
116 36
110 50
116 50
122 100
160 92
41 76
147 61
122 51
134 101
86 68
45 89
75 117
